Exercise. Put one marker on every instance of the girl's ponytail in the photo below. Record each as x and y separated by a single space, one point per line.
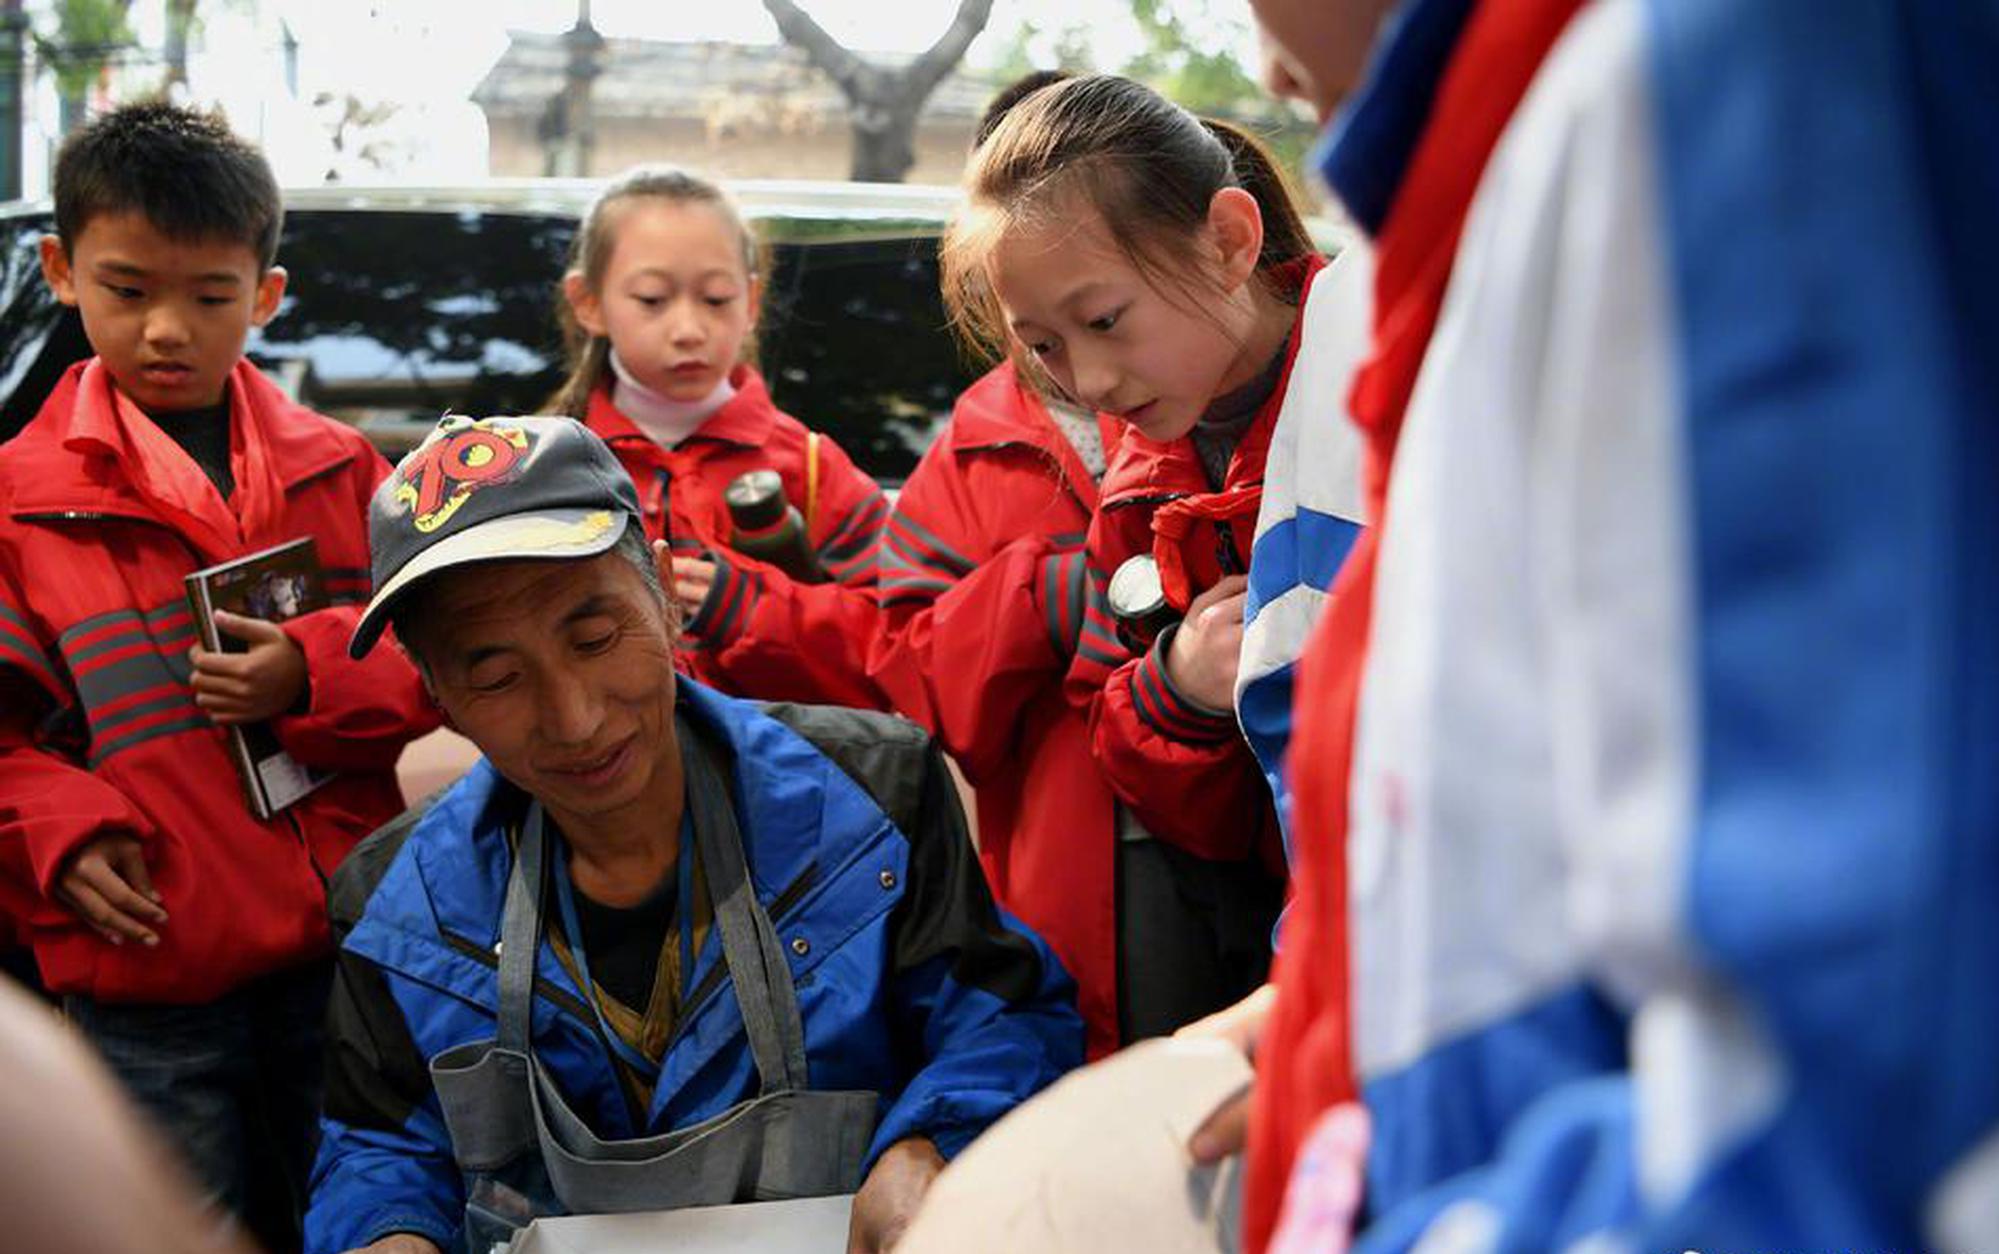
1285 237
590 365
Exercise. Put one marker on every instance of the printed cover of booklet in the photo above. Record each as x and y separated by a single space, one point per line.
275 584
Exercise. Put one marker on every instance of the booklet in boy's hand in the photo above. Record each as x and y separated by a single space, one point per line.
274 584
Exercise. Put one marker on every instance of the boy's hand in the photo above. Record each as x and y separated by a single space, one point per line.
1207 647
252 686
105 883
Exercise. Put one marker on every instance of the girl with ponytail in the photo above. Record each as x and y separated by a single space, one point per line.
660 308
1154 267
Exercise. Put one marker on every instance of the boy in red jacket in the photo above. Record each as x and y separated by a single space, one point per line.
187 938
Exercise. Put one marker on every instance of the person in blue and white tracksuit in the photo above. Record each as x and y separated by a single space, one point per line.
1672 832
1311 511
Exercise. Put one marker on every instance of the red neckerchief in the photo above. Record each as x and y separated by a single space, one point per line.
1306 1055
159 471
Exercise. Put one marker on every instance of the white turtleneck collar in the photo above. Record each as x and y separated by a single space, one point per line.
664 420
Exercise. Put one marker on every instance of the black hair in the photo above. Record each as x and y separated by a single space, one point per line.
183 169
1012 94
1140 161
590 355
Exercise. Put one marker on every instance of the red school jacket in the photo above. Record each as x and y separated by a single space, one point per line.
1185 773
762 634
982 593
101 515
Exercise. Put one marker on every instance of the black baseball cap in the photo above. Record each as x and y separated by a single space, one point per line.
491 489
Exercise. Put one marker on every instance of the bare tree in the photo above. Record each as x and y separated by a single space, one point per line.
884 104
358 132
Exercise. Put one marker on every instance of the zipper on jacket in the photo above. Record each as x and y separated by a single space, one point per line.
780 908
487 958
84 515
311 859
1150 498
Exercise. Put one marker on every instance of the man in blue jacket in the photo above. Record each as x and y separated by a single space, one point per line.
661 947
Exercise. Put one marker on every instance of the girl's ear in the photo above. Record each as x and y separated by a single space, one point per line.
1235 222
583 302
755 299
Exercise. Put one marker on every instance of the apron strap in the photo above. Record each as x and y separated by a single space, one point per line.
756 961
520 935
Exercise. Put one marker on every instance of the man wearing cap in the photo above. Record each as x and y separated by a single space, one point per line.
660 948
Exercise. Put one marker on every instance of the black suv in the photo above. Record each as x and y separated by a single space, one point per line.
405 303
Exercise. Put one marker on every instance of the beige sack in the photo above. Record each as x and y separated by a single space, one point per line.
1098 1163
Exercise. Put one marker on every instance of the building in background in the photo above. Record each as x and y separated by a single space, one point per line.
729 109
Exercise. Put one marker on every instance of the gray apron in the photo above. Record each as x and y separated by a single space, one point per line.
524 1152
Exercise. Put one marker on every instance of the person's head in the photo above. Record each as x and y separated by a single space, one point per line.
1314 51
1133 253
509 558
70 1138
665 272
1012 94
166 230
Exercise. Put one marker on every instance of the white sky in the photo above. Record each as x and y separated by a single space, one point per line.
427 55
438 49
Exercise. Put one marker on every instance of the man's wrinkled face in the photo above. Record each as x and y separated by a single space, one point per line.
1314 51
561 672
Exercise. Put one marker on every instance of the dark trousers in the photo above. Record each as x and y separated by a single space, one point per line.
1193 935
234 1085
19 966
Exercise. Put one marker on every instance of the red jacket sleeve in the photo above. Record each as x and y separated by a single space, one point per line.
1184 771
360 714
48 807
973 631
49 804
764 634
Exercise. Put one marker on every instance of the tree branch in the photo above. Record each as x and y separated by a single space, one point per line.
796 27
929 69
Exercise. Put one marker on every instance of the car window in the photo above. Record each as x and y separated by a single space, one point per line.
854 343
393 317
33 322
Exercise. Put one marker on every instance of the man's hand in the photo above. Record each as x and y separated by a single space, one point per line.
252 686
1207 646
1226 1129
891 1194
399 1243
105 883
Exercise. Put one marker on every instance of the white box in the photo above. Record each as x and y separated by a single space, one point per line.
814 1225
